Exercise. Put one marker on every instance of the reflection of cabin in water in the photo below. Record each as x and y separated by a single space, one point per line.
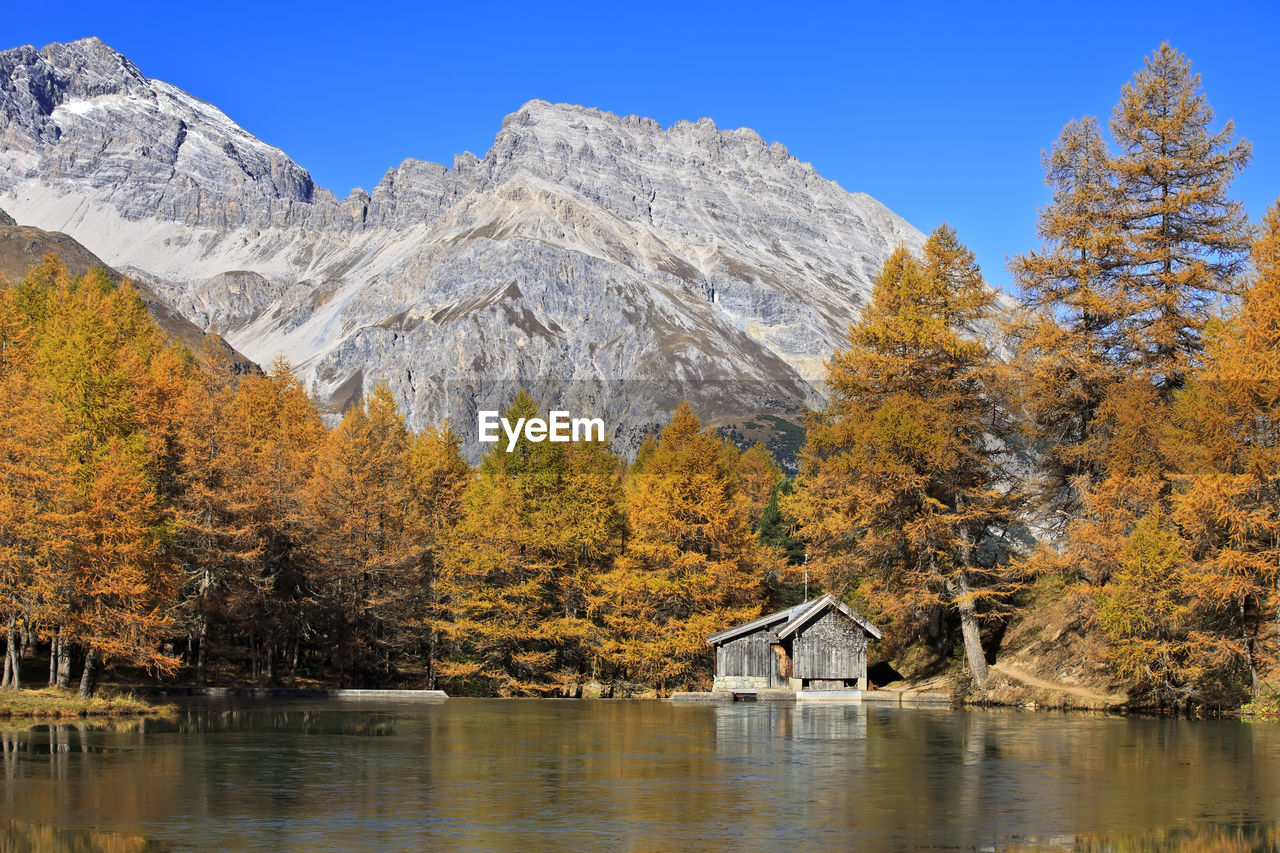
817 645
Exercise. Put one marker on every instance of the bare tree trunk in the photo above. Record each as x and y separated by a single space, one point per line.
8 665
969 628
432 637
64 659
89 678
1248 652
53 660
431 659
342 642
24 648
200 658
12 658
937 636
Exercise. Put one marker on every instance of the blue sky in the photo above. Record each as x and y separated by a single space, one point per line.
940 111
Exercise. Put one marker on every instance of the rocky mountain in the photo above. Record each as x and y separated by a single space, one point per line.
602 261
22 247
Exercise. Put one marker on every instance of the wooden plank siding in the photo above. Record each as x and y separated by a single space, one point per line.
831 647
749 655
818 645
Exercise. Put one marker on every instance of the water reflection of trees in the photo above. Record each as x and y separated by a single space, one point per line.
307 721
1201 839
18 835
983 778
655 776
204 765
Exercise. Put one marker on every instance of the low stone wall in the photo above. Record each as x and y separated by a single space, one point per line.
902 698
911 698
776 694
772 694
741 682
700 698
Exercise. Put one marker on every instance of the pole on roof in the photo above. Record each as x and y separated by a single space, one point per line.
806 574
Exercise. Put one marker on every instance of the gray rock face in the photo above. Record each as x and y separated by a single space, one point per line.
596 258
81 113
23 247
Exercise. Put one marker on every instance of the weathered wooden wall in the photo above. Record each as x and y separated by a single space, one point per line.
832 646
749 655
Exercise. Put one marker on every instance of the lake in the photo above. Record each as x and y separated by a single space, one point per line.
541 774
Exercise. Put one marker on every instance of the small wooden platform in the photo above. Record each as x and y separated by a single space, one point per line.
900 698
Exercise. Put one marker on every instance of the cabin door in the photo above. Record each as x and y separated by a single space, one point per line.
780 672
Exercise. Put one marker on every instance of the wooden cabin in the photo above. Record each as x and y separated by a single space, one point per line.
818 645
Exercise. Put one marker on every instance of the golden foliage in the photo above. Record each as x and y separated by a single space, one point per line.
692 566
538 527
900 494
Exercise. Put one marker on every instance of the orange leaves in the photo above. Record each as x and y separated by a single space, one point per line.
32 471
1148 412
900 478
1186 241
88 390
903 436
759 475
538 527
1145 613
365 574
692 564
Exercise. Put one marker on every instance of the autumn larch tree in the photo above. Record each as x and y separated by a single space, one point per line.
692 567
1151 238
34 487
211 539
365 568
275 437
901 496
759 474
1175 245
1067 334
101 362
1226 502
436 480
539 526
1186 241
1136 247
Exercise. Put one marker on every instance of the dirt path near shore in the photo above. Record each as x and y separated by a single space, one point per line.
1079 692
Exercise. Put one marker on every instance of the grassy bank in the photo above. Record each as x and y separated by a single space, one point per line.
56 702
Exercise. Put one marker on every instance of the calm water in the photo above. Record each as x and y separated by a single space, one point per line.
492 774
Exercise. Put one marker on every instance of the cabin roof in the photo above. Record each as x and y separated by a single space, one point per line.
793 619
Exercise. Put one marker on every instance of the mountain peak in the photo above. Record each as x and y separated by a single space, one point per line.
82 110
91 66
605 251
559 115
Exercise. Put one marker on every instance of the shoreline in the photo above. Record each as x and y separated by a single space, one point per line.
45 703
54 703
142 699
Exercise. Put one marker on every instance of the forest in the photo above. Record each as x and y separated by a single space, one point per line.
1115 437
